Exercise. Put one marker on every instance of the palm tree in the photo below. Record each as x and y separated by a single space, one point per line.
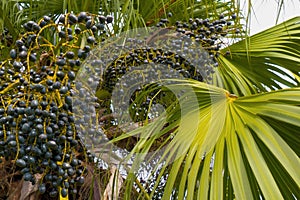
239 137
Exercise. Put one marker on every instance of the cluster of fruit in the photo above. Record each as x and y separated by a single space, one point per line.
209 33
38 130
187 48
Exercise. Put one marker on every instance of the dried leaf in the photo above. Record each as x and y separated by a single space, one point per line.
29 191
114 185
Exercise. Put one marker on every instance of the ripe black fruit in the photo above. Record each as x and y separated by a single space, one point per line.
19 43
53 193
13 54
42 188
52 145
21 163
64 192
90 39
89 24
102 18
27 176
82 16
62 19
47 18
34 104
70 54
61 62
77 30
109 19
62 34
17 65
100 26
71 75
73 18
63 90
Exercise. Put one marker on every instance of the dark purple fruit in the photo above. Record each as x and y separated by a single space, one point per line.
100 26
34 104
61 62
56 85
87 48
47 18
80 180
51 144
32 57
73 18
42 188
82 16
72 63
53 193
90 39
23 54
66 165
27 176
36 27
71 171
88 24
70 54
71 75
77 30
21 163
19 43
94 28
62 19
64 192
25 127
102 18
60 74
13 54
17 65
12 143
68 100
109 19
62 34
81 54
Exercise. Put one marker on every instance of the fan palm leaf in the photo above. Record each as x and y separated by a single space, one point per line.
267 60
229 146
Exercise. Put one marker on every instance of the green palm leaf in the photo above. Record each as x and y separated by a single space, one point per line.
8 17
228 147
267 60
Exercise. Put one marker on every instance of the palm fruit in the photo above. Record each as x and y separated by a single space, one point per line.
37 127
153 51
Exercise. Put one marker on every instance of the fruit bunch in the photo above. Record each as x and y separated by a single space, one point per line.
37 126
186 50
210 33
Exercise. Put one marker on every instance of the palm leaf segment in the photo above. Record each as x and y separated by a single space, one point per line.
267 60
242 148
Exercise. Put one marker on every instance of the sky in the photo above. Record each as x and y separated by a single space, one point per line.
266 13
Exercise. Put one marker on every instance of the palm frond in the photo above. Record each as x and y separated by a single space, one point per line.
10 18
226 147
267 60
